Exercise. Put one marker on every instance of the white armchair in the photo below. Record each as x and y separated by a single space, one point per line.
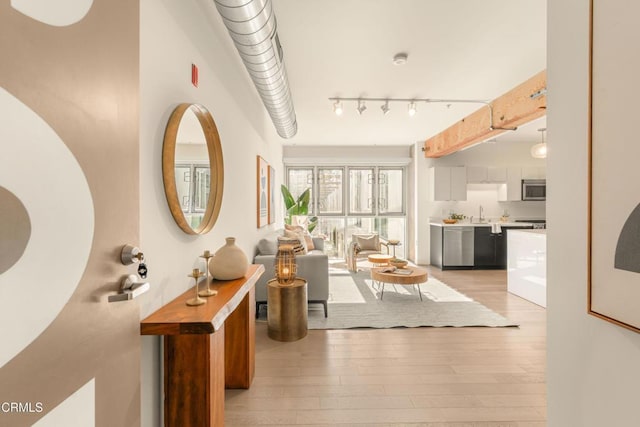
362 245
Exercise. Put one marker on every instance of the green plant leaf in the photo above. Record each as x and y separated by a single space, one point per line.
313 222
294 210
303 202
288 198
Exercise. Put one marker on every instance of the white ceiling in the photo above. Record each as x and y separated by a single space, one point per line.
460 49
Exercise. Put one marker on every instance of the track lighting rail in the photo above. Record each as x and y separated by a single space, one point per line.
412 101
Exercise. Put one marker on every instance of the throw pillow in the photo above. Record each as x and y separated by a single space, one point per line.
298 247
297 234
267 246
293 227
368 242
309 241
305 233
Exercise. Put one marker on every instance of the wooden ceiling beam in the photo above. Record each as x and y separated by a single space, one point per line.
512 109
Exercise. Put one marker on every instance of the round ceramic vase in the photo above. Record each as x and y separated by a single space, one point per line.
229 262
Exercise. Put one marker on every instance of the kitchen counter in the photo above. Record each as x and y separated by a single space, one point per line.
483 224
536 231
527 265
467 245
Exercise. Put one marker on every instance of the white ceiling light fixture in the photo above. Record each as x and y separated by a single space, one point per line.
337 107
361 107
400 58
412 109
539 151
385 107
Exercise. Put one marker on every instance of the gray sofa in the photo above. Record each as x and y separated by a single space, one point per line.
313 267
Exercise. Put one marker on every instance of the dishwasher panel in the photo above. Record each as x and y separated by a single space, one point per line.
458 247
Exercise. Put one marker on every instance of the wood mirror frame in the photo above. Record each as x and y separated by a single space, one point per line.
216 184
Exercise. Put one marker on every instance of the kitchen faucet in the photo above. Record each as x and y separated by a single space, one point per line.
481 212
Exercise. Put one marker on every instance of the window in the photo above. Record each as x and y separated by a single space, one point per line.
330 194
375 202
361 191
391 191
192 185
298 180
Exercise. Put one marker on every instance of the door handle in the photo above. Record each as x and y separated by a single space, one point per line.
130 289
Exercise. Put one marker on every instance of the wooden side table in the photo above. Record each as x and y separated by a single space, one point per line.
206 348
287 310
394 244
379 259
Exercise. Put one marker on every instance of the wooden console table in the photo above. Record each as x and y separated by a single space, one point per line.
206 348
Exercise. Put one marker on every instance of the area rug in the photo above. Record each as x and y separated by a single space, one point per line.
354 302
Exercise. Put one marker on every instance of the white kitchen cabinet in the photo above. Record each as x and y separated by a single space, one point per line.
496 175
448 183
511 190
459 183
534 172
476 174
484 175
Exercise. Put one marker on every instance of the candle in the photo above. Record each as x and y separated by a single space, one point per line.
285 271
196 272
207 254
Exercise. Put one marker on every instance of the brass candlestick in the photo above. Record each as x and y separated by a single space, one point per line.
208 292
197 300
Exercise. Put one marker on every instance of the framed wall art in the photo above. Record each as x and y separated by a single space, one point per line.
263 192
272 195
614 202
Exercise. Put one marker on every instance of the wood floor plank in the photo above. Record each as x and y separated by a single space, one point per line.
429 377
268 403
371 402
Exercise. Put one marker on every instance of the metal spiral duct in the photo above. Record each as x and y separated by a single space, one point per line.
252 26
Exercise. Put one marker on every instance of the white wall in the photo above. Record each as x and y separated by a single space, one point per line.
173 35
376 154
593 370
502 153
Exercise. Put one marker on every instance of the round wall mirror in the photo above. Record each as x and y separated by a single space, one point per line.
192 168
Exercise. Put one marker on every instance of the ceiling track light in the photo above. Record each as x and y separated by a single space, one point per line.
361 107
385 107
412 109
337 107
412 104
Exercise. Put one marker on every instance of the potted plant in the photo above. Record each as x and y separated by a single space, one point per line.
297 208
453 218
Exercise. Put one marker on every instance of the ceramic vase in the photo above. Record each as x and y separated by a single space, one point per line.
229 262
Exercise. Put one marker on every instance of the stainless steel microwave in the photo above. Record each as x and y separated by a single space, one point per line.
534 189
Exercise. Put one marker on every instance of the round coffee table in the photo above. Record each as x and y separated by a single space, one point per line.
379 259
416 276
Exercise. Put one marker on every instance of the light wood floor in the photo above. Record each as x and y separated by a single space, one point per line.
438 377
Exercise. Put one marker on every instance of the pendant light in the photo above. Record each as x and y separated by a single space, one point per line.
539 151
